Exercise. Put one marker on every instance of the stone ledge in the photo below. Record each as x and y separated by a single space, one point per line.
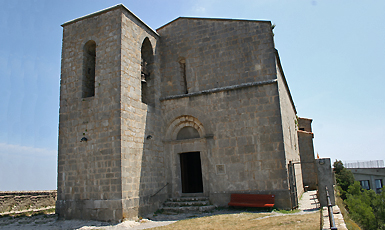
338 218
305 132
2 193
215 90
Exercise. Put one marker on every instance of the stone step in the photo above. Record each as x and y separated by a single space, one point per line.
186 203
188 209
188 199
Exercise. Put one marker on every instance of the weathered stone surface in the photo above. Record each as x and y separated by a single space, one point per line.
306 149
325 179
119 152
187 204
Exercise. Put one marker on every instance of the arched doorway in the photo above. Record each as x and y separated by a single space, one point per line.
188 165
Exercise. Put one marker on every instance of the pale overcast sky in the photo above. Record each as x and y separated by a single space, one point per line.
332 53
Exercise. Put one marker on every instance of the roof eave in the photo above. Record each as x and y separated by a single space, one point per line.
284 79
106 10
214 19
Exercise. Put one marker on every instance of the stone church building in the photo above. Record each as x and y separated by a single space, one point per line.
199 107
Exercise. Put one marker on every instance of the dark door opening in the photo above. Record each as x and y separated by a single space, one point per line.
191 170
293 186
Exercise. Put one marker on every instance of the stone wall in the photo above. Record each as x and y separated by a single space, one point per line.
118 148
89 172
217 53
306 150
142 149
289 126
325 179
230 73
242 135
24 200
104 177
304 124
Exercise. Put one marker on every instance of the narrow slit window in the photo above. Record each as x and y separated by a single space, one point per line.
182 64
89 62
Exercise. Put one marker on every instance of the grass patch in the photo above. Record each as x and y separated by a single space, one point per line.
283 211
248 209
249 221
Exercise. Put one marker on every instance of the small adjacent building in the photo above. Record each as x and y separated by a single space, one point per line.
371 174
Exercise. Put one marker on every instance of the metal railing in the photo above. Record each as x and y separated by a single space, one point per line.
364 164
330 210
159 190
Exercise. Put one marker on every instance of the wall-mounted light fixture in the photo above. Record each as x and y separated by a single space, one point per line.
84 139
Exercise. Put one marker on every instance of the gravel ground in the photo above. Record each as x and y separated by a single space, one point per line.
307 204
50 221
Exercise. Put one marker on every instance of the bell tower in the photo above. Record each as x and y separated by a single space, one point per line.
105 111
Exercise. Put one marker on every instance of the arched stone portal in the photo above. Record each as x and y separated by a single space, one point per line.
181 122
187 147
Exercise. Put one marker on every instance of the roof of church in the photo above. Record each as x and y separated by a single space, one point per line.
106 10
211 19
179 18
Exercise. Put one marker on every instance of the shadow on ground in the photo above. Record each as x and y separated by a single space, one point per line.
164 216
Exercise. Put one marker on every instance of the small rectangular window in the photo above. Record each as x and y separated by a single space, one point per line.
365 184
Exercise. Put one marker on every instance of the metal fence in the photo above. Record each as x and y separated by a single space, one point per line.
364 164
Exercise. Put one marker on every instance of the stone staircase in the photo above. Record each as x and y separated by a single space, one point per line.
187 205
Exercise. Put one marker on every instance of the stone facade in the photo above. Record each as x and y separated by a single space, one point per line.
325 180
200 107
306 149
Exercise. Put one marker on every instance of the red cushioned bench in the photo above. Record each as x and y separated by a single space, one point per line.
252 200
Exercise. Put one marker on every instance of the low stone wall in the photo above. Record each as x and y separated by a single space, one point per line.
338 218
23 200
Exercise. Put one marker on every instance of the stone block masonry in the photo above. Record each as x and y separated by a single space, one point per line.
247 142
89 175
217 53
305 141
199 108
99 178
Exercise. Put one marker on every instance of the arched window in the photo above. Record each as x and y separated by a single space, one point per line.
187 132
147 80
89 61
